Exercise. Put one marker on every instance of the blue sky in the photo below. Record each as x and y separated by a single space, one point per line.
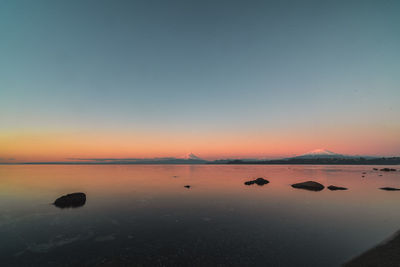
202 67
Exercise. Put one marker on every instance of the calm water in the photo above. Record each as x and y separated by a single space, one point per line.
141 215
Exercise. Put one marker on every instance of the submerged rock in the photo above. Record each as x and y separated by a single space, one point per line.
187 186
390 188
258 181
388 170
309 185
333 188
73 200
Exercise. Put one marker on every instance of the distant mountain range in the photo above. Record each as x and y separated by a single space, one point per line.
320 156
325 157
326 154
324 161
186 159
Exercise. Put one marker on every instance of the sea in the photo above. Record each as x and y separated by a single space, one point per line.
143 215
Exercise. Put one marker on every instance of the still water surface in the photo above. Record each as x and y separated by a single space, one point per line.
141 215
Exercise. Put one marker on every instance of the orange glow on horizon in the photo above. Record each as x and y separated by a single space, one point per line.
62 145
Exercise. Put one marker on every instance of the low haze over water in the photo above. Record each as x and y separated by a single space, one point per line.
143 215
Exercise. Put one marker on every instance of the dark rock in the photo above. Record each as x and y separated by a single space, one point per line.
380 175
364 173
388 170
309 185
390 188
187 186
333 188
375 169
73 200
258 181
363 176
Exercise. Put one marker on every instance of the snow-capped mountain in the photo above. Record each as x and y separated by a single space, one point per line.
192 157
321 153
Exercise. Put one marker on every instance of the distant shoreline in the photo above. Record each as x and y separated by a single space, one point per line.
294 161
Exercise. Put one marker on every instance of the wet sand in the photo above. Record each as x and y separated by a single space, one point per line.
385 254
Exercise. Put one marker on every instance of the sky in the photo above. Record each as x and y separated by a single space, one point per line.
219 78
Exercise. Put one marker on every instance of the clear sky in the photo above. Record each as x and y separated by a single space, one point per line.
216 78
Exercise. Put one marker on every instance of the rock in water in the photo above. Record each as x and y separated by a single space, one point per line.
258 181
309 185
73 200
333 188
390 188
388 170
187 186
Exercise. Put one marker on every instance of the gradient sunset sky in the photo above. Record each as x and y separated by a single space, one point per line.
216 78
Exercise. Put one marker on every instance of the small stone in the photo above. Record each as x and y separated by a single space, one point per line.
258 181
390 189
334 188
388 170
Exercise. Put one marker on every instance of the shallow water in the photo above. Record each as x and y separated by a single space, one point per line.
141 215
